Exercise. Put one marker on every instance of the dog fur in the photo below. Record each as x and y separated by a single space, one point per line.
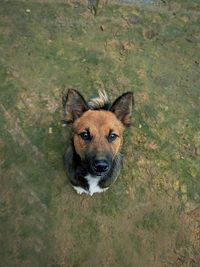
93 159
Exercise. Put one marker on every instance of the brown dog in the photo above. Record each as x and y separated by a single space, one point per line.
93 159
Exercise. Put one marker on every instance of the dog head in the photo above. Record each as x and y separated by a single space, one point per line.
98 127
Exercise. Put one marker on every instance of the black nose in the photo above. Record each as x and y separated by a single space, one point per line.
100 166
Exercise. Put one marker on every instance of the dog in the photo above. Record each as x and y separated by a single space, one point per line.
93 159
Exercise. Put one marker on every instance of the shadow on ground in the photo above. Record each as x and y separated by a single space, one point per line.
151 215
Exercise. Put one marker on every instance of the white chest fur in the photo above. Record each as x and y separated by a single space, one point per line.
93 186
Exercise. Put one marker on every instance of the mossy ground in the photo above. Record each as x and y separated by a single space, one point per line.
151 215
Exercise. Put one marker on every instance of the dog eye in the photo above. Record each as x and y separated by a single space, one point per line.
85 136
112 137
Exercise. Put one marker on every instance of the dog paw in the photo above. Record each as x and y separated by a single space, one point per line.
80 190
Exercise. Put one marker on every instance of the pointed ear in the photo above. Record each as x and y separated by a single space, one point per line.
74 105
122 108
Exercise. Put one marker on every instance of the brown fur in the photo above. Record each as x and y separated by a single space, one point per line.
99 123
94 155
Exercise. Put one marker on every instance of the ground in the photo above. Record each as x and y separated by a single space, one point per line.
151 216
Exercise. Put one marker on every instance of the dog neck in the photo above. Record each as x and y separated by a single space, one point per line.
77 170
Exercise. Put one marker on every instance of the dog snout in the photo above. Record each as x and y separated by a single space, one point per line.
101 166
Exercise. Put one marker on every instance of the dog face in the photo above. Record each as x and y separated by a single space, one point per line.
98 133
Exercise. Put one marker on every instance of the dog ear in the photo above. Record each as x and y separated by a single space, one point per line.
74 105
122 108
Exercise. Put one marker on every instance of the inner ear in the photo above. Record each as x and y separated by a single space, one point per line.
74 105
123 107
